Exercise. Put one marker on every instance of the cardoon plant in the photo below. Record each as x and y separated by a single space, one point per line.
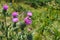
27 21
15 19
5 8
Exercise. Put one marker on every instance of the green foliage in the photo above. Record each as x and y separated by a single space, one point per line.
57 1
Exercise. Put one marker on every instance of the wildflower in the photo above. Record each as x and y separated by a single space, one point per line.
5 6
15 14
27 20
29 14
15 20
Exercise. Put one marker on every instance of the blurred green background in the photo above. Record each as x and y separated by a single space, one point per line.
45 20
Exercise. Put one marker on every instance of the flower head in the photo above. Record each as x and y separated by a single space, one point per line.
15 19
27 20
29 13
5 6
15 14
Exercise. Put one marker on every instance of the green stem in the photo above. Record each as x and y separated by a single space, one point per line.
0 38
5 26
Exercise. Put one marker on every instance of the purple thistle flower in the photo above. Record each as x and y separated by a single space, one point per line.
15 20
15 14
27 20
29 13
5 6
